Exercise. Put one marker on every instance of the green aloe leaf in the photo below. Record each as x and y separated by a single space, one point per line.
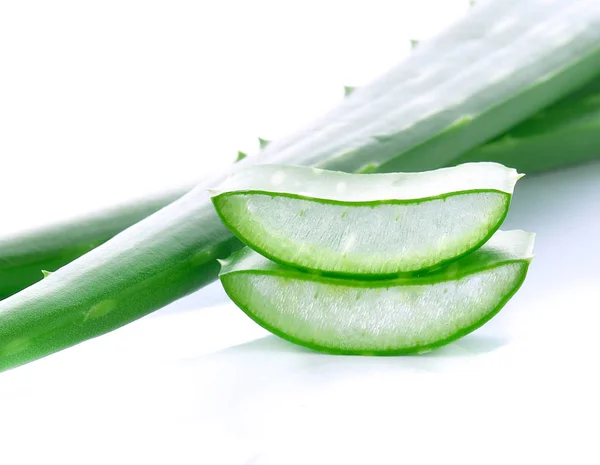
498 66
365 224
396 316
565 133
51 247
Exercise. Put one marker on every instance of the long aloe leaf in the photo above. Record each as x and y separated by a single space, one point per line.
504 62
24 255
564 134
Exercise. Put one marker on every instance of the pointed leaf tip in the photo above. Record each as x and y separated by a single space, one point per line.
47 273
263 142
348 90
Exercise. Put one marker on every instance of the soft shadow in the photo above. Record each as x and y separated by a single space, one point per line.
268 344
471 345
270 378
209 296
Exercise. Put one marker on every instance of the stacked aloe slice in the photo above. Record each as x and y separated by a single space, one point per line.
372 263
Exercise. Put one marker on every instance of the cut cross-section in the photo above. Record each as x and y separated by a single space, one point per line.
365 224
395 316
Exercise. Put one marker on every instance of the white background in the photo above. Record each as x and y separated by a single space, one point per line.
105 101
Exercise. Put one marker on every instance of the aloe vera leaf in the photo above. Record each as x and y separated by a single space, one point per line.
24 255
173 252
501 64
396 316
166 256
424 69
566 133
365 224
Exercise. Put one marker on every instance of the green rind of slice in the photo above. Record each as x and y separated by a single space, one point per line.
386 317
365 225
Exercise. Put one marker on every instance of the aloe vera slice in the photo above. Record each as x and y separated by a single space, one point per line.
365 224
402 315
